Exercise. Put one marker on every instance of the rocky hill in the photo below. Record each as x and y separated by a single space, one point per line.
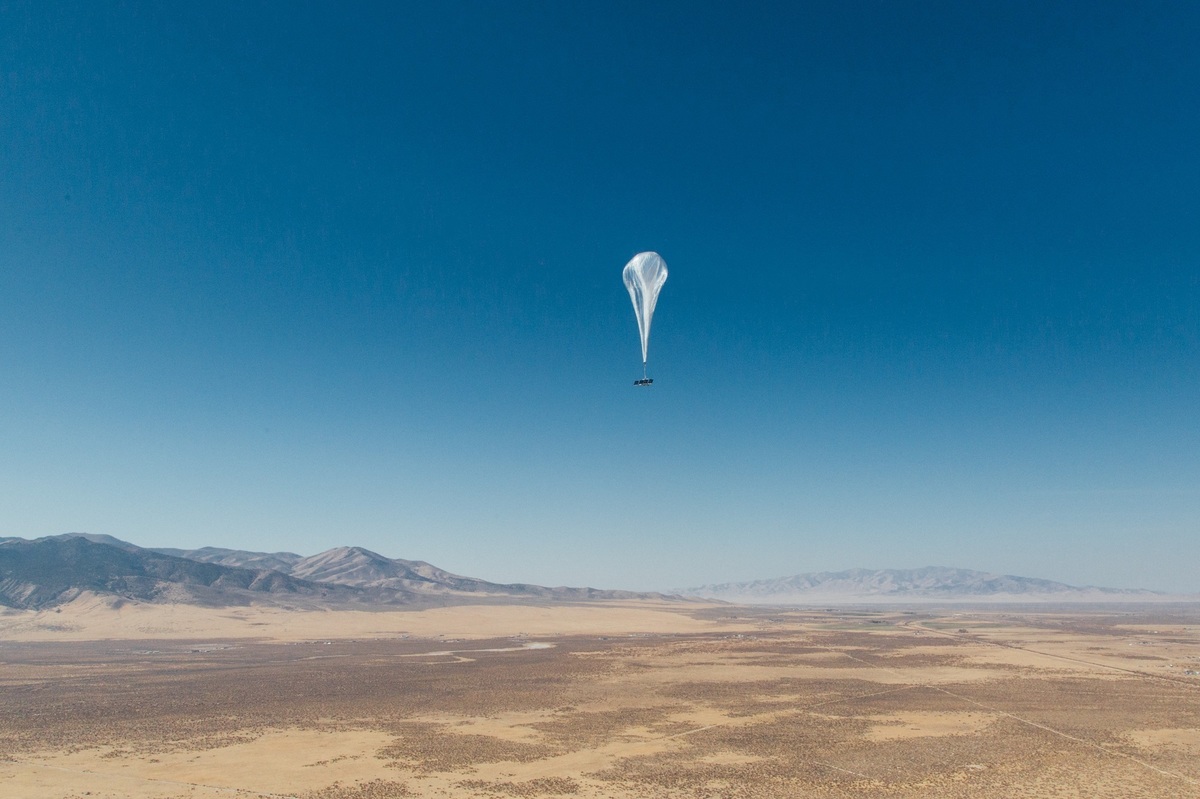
50 571
55 569
362 568
277 561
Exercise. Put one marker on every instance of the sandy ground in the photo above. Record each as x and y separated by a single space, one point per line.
274 762
608 700
919 725
91 618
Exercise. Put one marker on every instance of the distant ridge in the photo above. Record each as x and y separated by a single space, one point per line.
52 570
278 561
362 568
55 569
931 583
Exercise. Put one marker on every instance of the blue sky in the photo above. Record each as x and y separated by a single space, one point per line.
294 276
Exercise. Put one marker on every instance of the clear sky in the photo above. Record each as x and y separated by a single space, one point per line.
290 276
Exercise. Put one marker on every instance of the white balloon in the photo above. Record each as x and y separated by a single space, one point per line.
644 277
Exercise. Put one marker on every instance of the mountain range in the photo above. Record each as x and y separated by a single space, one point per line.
48 571
932 583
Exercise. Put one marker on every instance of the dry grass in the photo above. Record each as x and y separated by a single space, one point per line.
801 704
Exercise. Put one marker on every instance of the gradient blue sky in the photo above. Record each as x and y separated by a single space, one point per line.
293 276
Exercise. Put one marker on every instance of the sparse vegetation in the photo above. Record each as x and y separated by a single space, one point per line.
1024 706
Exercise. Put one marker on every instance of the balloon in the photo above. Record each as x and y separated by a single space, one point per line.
644 276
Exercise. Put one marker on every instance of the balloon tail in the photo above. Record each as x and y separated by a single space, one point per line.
643 370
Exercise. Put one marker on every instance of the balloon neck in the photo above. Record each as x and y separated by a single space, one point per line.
643 370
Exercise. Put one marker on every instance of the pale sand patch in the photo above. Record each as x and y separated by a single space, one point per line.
631 742
1095 656
1156 629
287 762
902 725
1174 738
666 673
577 762
276 762
1024 659
91 618
519 726
515 727
730 759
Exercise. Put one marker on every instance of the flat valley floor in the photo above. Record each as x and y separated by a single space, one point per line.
615 700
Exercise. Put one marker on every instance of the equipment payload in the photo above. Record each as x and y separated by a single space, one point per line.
644 277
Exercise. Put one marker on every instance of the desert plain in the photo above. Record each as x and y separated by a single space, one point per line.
102 698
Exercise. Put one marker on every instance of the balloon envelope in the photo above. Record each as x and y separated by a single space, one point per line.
644 277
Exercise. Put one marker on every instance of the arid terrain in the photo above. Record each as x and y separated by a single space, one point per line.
612 699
